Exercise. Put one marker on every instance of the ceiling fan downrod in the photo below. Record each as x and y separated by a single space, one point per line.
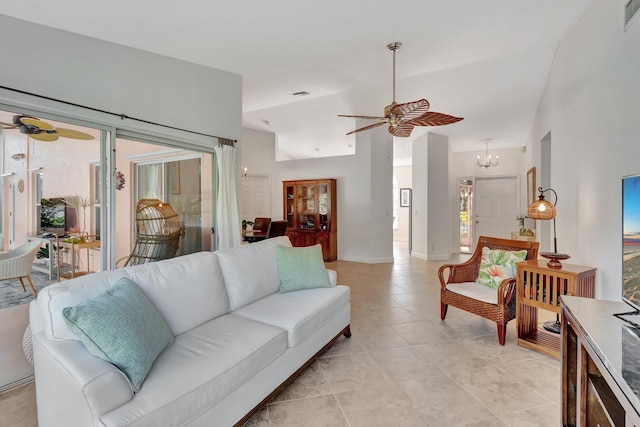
393 47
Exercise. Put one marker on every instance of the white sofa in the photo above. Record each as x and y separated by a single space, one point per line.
238 341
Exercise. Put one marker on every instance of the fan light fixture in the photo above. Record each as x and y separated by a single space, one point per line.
402 118
488 160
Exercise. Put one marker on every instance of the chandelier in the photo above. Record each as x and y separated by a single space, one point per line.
488 160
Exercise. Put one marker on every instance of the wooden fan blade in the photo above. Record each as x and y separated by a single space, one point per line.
411 110
434 119
47 137
375 125
74 134
401 130
363 117
30 121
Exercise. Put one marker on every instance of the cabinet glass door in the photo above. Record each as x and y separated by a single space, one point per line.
289 205
307 207
323 206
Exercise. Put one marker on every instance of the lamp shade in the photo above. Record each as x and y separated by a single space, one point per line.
541 209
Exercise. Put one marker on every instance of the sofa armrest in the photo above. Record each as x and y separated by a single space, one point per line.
333 277
73 387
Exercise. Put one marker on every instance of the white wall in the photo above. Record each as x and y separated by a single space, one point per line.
591 105
364 183
102 75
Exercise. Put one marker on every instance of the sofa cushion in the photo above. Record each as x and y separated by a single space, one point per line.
475 291
54 298
301 268
250 271
188 290
122 327
300 313
202 366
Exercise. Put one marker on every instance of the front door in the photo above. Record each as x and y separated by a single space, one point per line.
496 206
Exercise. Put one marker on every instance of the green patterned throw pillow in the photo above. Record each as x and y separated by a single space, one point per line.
123 327
497 265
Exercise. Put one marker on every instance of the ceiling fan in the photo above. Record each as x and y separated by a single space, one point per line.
41 130
402 118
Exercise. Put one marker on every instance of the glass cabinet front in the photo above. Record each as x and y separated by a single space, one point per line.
289 205
323 206
306 206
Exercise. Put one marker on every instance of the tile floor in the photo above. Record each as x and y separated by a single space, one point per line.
402 366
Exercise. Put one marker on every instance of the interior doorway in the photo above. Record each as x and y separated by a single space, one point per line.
256 197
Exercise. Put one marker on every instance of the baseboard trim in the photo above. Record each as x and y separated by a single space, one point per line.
8 387
367 260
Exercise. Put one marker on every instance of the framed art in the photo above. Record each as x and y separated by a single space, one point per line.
531 185
405 197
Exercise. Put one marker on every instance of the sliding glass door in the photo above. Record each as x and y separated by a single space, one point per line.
179 184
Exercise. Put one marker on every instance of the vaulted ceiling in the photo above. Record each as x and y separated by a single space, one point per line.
486 61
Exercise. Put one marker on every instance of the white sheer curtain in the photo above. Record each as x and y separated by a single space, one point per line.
227 225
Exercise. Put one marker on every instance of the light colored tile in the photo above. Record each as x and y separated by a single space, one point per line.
440 401
310 383
344 345
542 416
18 407
378 407
419 332
260 419
538 376
381 338
488 348
501 393
352 372
414 298
492 422
320 411
401 364
450 356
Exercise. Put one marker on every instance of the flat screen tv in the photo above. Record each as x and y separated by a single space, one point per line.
631 240
53 215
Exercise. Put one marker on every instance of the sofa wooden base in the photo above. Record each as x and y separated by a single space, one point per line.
346 332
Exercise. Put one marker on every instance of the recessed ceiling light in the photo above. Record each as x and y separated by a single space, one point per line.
300 93
266 122
317 149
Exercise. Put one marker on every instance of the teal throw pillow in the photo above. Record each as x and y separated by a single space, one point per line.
123 327
497 265
301 268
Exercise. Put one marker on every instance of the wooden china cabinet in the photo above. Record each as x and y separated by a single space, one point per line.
310 212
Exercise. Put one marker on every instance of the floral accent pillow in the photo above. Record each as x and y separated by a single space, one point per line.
497 265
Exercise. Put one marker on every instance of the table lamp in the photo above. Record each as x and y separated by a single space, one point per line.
542 209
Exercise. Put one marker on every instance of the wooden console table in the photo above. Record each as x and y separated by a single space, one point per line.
77 247
600 365
540 287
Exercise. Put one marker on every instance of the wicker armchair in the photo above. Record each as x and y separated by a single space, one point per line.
500 310
16 264
158 233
